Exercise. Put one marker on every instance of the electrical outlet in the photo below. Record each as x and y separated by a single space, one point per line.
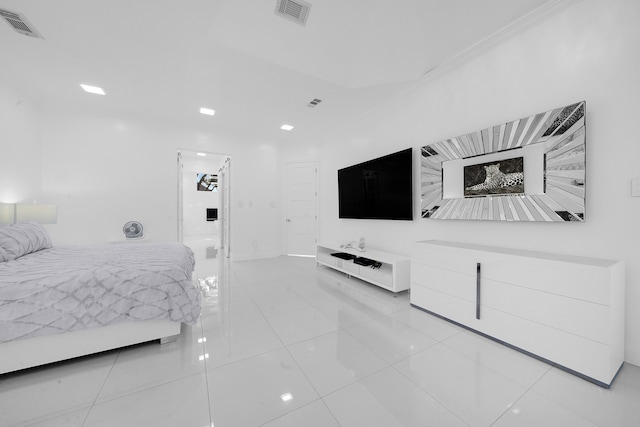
635 187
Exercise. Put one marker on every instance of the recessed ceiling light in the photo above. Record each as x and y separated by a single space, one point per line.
286 397
286 127
207 111
93 89
201 154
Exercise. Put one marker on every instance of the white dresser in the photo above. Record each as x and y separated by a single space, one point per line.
567 310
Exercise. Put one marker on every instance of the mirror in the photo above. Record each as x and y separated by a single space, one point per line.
532 169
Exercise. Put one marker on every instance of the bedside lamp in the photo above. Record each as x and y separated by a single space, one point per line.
7 213
43 214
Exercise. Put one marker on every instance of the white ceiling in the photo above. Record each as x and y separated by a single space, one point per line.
167 58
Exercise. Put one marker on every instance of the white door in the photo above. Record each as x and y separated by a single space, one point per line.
301 208
225 213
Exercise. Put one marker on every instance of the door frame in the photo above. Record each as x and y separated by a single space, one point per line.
180 190
286 199
224 174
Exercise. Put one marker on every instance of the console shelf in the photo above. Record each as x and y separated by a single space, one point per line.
392 275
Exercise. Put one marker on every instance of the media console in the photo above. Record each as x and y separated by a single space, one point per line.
391 274
565 310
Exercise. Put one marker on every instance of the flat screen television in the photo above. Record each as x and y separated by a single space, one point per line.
381 188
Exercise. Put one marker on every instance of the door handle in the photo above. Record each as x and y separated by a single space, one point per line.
478 291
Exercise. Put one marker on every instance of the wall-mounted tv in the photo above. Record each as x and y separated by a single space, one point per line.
381 188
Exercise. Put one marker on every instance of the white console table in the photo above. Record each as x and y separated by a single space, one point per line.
565 310
392 275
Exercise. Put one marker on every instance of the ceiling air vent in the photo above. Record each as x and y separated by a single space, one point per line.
293 10
20 24
315 102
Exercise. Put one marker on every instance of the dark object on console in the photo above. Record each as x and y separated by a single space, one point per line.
364 261
212 214
343 255
376 265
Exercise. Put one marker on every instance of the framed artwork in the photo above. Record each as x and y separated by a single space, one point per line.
207 182
531 169
498 177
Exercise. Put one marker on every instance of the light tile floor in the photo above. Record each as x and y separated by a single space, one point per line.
282 342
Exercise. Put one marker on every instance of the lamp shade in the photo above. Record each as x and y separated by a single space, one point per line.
44 214
7 213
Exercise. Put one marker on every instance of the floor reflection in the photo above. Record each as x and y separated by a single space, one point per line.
282 341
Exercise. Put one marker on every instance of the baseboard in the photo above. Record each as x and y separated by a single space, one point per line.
523 351
254 255
632 356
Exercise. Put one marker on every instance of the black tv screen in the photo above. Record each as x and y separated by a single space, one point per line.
378 189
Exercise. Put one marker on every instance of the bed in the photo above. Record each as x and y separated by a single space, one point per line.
60 302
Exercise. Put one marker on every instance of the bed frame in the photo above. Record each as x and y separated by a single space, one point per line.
31 352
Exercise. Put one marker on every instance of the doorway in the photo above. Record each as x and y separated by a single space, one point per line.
200 206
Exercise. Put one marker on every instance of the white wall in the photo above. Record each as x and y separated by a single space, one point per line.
103 171
588 50
20 168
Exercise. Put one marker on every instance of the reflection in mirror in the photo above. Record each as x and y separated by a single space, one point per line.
532 169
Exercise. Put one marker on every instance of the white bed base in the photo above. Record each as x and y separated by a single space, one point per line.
30 352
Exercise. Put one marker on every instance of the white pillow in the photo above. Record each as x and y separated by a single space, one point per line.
21 239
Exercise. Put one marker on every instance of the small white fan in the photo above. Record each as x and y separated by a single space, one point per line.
132 230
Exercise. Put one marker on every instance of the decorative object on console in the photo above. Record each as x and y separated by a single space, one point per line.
552 146
133 230
357 245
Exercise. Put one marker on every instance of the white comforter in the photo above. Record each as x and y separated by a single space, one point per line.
67 288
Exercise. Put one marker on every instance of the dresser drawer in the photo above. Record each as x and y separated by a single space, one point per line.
582 318
448 282
445 305
576 278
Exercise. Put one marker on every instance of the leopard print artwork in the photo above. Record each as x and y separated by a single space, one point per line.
497 179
